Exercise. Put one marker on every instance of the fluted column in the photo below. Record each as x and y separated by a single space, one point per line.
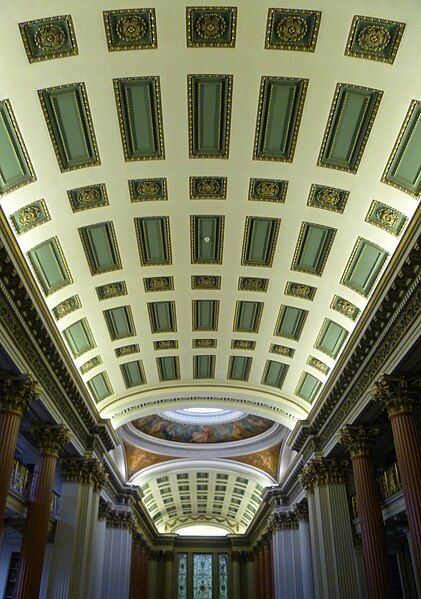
168 574
359 440
117 553
135 568
398 397
302 514
236 574
259 572
97 564
268 592
16 393
144 572
83 479
49 441
286 556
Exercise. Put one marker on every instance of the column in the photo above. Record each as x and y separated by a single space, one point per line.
168 574
358 440
301 512
286 556
267 559
398 397
153 572
259 574
16 393
135 568
248 576
236 574
97 564
145 564
83 479
117 553
334 563
49 440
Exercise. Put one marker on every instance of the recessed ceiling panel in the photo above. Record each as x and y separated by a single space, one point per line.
67 306
211 26
203 367
260 235
162 317
387 218
281 103
30 216
139 113
331 338
15 167
253 284
308 387
133 373
208 188
312 251
274 374
100 386
119 322
116 289
91 364
290 322
364 266
91 196
207 239
350 120
209 115
374 39
158 284
205 315
49 38
292 29
126 350
247 316
345 307
268 190
318 364
300 290
79 337
328 198
153 235
50 266
168 368
130 29
239 368
69 122
100 246
148 190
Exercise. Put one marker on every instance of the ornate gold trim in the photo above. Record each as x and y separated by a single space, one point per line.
369 55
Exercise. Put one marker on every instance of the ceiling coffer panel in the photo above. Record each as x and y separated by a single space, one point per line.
168 368
204 366
207 239
100 247
130 29
100 386
208 188
45 39
209 115
120 322
50 266
79 337
313 247
153 236
268 190
247 316
331 338
133 373
211 26
148 190
91 196
292 29
308 387
364 266
30 216
290 322
260 236
162 317
274 374
205 315
239 368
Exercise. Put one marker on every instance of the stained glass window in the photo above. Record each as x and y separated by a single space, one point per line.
182 576
223 576
202 576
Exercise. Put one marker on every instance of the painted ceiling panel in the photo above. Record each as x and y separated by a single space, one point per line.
49 265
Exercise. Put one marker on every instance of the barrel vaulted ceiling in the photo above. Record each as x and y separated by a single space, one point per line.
206 196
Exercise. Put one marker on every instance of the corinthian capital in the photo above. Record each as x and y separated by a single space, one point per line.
358 439
395 394
50 439
84 470
323 471
16 393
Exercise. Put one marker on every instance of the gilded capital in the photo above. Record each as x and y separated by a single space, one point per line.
301 511
50 439
394 394
285 521
84 470
120 519
323 471
16 393
358 439
104 509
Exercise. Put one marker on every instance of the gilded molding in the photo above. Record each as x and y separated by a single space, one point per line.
30 216
205 282
130 29
67 306
211 26
358 439
50 439
110 290
345 307
165 344
84 470
318 364
148 190
282 350
385 217
395 395
60 253
16 393
323 471
253 284
90 196
208 188
158 284
374 39
300 290
126 350
244 344
90 364
204 343
292 29
45 39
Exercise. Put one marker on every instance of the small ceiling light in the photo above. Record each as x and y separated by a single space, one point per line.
206 239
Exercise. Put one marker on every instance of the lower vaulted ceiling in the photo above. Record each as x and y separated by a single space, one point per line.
210 227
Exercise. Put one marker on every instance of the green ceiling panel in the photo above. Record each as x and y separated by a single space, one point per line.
153 235
364 266
119 322
209 115
30 216
162 317
49 38
79 337
168 368
374 39
205 315
328 198
331 338
314 243
281 103
292 29
67 306
207 239
91 196
203 367
239 368
100 386
148 190
259 243
50 266
350 120
130 29
211 26
69 122
403 169
100 246
208 188
247 316
15 167
387 218
308 387
290 322
139 111
274 374
133 373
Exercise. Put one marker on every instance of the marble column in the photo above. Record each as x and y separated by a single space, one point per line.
145 572
259 573
16 393
334 565
135 568
49 440
117 553
97 564
83 479
398 397
267 565
286 557
301 512
168 574
236 574
358 440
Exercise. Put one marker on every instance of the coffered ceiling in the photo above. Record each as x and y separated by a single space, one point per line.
207 197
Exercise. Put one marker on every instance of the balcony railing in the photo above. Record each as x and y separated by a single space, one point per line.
389 483
20 485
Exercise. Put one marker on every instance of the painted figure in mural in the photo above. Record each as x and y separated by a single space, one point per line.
203 436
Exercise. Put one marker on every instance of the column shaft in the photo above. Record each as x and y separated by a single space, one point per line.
168 576
9 431
268 572
144 573
306 562
135 580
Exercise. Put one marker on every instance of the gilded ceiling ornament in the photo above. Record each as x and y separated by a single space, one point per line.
159 283
243 344
251 284
16 393
205 342
394 394
210 26
358 440
148 188
126 350
88 195
206 282
131 28
312 361
301 290
65 307
346 307
374 38
281 350
267 188
211 186
111 289
50 439
291 29
29 215
387 216
50 38
328 196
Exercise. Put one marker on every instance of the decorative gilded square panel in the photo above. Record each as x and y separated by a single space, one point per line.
158 283
211 26
53 37
209 109
259 244
351 118
15 166
30 216
148 190
313 247
139 113
50 265
252 284
165 344
205 282
281 103
68 117
208 188
403 169
67 306
91 196
387 218
374 39
318 364
90 364
153 238
130 29
292 29
300 290
110 290
345 307
126 350
328 198
364 266
245 344
282 350
268 190
204 343
207 239
100 246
